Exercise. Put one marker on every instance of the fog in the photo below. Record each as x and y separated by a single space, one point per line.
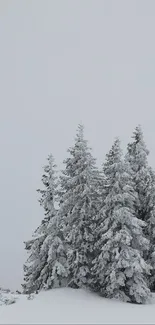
62 63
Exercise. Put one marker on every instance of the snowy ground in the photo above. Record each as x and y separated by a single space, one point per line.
68 306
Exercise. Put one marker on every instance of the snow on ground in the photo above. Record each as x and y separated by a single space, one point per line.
69 306
7 297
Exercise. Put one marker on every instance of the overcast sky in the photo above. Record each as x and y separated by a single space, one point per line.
63 62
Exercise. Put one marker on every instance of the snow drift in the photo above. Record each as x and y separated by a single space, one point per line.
71 306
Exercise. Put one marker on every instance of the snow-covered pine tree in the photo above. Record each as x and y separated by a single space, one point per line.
45 244
151 229
78 209
55 272
144 184
137 156
119 269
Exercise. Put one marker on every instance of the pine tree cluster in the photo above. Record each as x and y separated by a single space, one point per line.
99 226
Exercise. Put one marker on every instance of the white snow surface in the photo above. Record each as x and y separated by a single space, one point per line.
71 306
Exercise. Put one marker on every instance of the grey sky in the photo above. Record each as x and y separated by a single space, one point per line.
63 62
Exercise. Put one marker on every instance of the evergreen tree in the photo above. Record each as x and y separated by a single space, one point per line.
54 273
78 209
137 156
144 184
119 269
43 267
151 229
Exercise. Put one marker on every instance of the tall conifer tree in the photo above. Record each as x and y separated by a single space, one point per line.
46 263
119 269
144 184
78 209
